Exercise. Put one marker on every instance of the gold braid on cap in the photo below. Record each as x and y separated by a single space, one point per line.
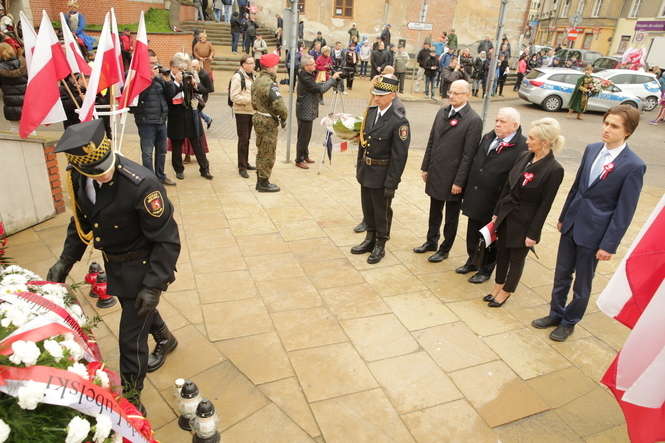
86 237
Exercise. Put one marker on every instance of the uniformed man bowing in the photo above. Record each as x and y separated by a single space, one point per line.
384 146
121 208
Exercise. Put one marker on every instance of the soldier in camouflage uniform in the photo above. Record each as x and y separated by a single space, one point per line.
270 110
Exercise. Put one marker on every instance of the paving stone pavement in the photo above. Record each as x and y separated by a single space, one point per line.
296 340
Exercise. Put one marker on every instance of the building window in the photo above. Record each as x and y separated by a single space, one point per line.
301 6
565 8
343 8
634 8
661 11
580 8
623 44
597 5
588 38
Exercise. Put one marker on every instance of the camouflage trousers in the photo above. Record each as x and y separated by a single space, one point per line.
266 144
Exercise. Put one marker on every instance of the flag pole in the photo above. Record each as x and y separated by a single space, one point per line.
123 122
71 95
76 83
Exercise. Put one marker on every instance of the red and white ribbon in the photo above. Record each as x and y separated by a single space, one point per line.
502 146
528 177
606 170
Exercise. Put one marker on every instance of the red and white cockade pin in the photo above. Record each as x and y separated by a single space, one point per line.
606 170
528 177
453 122
502 146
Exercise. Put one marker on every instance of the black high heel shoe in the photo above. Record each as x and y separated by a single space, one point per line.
488 297
495 304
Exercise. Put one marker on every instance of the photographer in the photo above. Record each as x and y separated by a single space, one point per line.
150 116
307 105
339 63
183 94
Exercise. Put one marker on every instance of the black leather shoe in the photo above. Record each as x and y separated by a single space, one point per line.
207 175
180 175
488 297
561 333
366 246
437 257
360 227
466 269
478 278
545 322
251 168
425 247
167 181
243 173
166 343
378 252
495 304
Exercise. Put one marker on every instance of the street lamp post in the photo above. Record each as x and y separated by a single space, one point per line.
492 69
293 47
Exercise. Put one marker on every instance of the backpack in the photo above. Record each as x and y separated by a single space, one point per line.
243 86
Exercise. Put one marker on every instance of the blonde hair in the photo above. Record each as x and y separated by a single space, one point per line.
181 60
325 50
548 130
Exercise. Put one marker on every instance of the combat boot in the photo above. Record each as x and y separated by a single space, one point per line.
263 185
366 246
166 343
378 252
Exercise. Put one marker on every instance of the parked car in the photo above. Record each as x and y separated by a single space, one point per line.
582 57
551 88
603 63
533 49
643 84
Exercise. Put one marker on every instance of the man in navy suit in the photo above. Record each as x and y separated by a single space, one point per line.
594 218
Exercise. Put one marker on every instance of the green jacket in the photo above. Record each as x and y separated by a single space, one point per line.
452 41
266 98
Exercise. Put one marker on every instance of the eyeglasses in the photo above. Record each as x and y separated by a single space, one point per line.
451 93
250 63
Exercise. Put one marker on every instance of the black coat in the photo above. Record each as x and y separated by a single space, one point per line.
388 140
236 24
478 69
450 151
206 84
13 81
430 63
152 107
379 59
385 37
524 208
132 214
423 55
183 121
488 174
309 95
68 104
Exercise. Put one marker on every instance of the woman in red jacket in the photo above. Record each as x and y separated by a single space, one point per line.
324 63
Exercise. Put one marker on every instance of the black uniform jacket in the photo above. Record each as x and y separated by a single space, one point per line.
524 207
488 174
450 150
132 215
388 140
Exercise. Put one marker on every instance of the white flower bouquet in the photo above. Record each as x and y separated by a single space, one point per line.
344 126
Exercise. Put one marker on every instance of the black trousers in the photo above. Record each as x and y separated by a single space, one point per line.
304 136
509 263
176 155
377 211
244 130
472 239
350 77
518 82
450 225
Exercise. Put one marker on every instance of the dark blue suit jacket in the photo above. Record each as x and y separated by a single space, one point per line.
599 213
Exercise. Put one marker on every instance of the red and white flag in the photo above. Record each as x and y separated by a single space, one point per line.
42 91
489 233
62 68
73 53
341 147
635 296
29 39
104 71
117 47
139 76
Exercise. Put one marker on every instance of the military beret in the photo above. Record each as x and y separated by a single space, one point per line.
269 60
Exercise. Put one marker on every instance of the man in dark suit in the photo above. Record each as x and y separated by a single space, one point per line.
385 36
384 145
496 154
379 59
452 144
307 106
597 212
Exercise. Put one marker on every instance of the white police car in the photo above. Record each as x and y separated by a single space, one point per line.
551 88
643 84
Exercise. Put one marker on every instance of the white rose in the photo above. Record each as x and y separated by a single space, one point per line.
16 316
79 369
13 288
102 378
24 352
74 349
54 349
102 429
15 279
30 395
4 431
77 430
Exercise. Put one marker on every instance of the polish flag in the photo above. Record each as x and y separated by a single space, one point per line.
117 48
42 91
29 38
489 233
139 76
62 69
635 296
73 53
104 71
341 147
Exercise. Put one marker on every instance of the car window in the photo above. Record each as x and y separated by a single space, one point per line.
590 56
572 78
622 79
640 79
558 78
534 74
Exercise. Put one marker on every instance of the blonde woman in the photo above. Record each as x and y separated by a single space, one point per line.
525 201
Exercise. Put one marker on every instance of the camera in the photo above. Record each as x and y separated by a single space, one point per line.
187 76
344 71
162 70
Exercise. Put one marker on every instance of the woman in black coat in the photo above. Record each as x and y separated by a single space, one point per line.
523 206
13 81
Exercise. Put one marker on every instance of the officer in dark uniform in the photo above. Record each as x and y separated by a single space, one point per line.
384 146
120 208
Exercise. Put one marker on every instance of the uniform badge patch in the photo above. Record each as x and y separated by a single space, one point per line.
154 204
403 132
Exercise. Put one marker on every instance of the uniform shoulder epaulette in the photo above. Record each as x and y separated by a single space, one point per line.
125 168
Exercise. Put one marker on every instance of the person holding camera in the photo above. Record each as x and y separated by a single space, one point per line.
338 56
184 94
307 105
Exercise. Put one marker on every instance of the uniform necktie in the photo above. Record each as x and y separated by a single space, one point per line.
597 167
495 144
90 190
378 116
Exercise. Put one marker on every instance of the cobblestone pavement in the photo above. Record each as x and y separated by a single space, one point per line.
296 340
